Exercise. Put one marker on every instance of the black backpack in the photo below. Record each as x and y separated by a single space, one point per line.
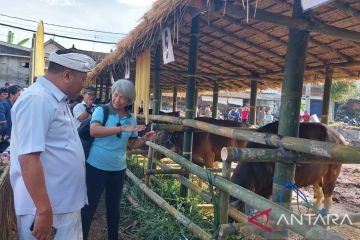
84 131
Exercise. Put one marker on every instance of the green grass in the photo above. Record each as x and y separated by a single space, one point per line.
154 223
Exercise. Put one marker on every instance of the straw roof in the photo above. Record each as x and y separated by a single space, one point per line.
233 51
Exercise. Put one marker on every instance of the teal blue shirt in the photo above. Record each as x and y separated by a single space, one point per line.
109 153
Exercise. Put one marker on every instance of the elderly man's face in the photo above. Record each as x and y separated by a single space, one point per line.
75 83
89 97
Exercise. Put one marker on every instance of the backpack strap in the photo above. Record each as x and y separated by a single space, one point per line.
106 113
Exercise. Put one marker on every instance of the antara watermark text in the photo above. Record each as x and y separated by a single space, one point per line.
315 219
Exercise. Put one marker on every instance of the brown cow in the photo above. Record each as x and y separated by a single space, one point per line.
258 176
206 146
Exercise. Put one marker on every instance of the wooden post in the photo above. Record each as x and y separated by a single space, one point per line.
190 92
157 94
107 90
291 101
253 95
215 100
326 97
32 60
101 88
174 106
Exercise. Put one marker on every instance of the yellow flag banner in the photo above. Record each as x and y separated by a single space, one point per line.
39 68
142 83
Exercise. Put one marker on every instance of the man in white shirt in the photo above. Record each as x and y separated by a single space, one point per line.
83 110
47 170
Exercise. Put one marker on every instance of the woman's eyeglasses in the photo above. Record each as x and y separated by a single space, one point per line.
119 134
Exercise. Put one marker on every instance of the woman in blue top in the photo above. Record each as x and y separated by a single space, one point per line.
106 164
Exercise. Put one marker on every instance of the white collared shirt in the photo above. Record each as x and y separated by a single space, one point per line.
79 109
42 122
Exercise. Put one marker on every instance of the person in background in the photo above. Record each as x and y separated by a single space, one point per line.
305 117
106 164
73 102
207 111
14 92
260 117
245 113
47 170
3 94
83 110
268 118
7 85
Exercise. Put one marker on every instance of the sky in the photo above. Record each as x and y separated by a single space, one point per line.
117 16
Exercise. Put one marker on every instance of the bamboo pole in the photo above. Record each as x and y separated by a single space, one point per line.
233 212
224 196
275 155
169 127
149 167
248 230
253 94
254 200
174 106
166 171
319 148
156 82
190 91
290 102
215 100
199 232
107 83
327 94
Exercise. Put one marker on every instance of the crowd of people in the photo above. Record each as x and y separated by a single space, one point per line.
8 96
263 116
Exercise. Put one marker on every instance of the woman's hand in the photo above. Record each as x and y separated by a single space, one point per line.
149 136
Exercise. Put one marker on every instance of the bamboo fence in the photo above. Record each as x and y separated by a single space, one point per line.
339 152
7 216
252 199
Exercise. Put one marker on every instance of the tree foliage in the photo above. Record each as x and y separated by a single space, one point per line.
342 91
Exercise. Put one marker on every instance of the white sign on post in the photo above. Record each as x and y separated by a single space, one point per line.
168 53
309 4
127 68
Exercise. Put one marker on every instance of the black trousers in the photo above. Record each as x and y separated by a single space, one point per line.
113 182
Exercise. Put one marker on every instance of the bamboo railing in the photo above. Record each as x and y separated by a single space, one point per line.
234 154
319 148
7 213
252 199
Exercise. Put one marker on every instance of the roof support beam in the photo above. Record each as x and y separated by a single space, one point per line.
236 38
345 7
296 23
284 43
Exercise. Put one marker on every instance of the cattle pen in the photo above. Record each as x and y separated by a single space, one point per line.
226 45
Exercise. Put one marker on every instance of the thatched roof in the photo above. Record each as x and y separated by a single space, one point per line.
233 51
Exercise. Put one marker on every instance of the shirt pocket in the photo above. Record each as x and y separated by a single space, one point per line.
61 130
